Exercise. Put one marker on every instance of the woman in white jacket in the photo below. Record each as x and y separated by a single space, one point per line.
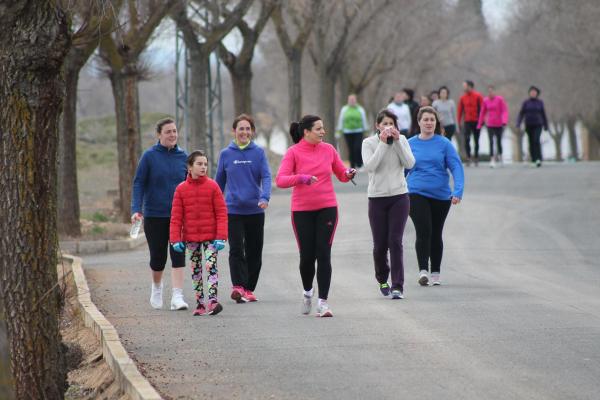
386 154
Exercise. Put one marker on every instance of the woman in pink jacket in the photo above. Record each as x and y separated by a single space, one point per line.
494 114
307 167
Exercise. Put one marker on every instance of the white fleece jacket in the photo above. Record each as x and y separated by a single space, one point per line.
385 164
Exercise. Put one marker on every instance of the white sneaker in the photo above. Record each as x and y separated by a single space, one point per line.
177 302
156 299
435 279
423 278
323 309
493 162
306 304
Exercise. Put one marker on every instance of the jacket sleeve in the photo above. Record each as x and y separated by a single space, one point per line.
265 176
482 115
340 125
363 114
404 153
456 168
176 225
286 176
504 111
220 213
221 175
372 158
338 167
139 184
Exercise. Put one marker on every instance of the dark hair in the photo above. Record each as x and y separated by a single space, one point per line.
297 128
244 117
434 92
163 122
409 93
431 110
536 89
193 155
444 88
470 84
387 113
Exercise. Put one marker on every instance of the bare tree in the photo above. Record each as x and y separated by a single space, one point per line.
302 16
203 25
240 65
92 21
32 53
121 52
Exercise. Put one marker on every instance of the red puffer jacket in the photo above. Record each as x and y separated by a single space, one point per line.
199 213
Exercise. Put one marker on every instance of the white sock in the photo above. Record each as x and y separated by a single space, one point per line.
322 301
309 293
157 286
177 292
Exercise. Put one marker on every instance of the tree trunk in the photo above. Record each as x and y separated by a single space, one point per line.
517 143
199 64
68 195
31 90
127 110
241 81
6 383
573 151
557 139
294 62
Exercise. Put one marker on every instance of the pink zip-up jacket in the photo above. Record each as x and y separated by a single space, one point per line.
496 112
320 160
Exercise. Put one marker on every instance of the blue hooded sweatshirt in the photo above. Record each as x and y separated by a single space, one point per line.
158 173
244 177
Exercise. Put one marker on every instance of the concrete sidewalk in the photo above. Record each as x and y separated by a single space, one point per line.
517 316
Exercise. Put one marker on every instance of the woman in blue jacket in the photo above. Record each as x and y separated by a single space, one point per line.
430 193
534 114
244 176
161 168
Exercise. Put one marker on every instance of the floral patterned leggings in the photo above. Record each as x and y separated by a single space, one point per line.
210 253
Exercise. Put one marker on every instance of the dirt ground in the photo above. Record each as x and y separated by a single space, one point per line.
89 376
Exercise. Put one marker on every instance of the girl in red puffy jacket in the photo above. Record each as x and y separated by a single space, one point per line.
199 219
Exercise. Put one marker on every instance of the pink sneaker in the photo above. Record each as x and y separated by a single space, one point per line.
200 310
238 294
250 296
214 308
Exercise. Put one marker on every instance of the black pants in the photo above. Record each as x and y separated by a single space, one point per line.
470 128
157 236
314 233
246 233
428 216
354 142
450 130
535 148
495 134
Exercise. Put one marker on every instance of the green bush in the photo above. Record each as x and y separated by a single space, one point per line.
99 217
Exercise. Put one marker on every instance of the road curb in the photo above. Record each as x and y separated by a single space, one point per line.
101 246
129 378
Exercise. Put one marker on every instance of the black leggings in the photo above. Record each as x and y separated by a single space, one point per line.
354 142
429 216
157 236
535 148
314 233
246 233
468 129
495 133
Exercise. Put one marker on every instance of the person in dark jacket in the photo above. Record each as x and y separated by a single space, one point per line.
534 115
161 168
414 109
243 175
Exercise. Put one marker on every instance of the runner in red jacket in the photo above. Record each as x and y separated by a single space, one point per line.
199 218
469 106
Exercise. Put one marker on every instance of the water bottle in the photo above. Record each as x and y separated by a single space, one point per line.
135 228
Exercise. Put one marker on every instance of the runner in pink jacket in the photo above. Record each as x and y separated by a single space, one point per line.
307 167
494 114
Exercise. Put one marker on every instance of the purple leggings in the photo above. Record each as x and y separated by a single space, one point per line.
387 216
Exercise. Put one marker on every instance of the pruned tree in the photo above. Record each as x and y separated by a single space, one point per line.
91 20
34 42
240 65
121 52
204 23
557 130
302 16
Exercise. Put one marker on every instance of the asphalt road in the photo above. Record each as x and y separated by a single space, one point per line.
517 316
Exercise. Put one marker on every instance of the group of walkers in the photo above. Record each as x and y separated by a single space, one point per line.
472 113
183 209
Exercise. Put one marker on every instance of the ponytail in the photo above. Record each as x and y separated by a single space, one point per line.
297 128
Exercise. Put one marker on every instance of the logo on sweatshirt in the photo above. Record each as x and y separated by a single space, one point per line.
242 161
